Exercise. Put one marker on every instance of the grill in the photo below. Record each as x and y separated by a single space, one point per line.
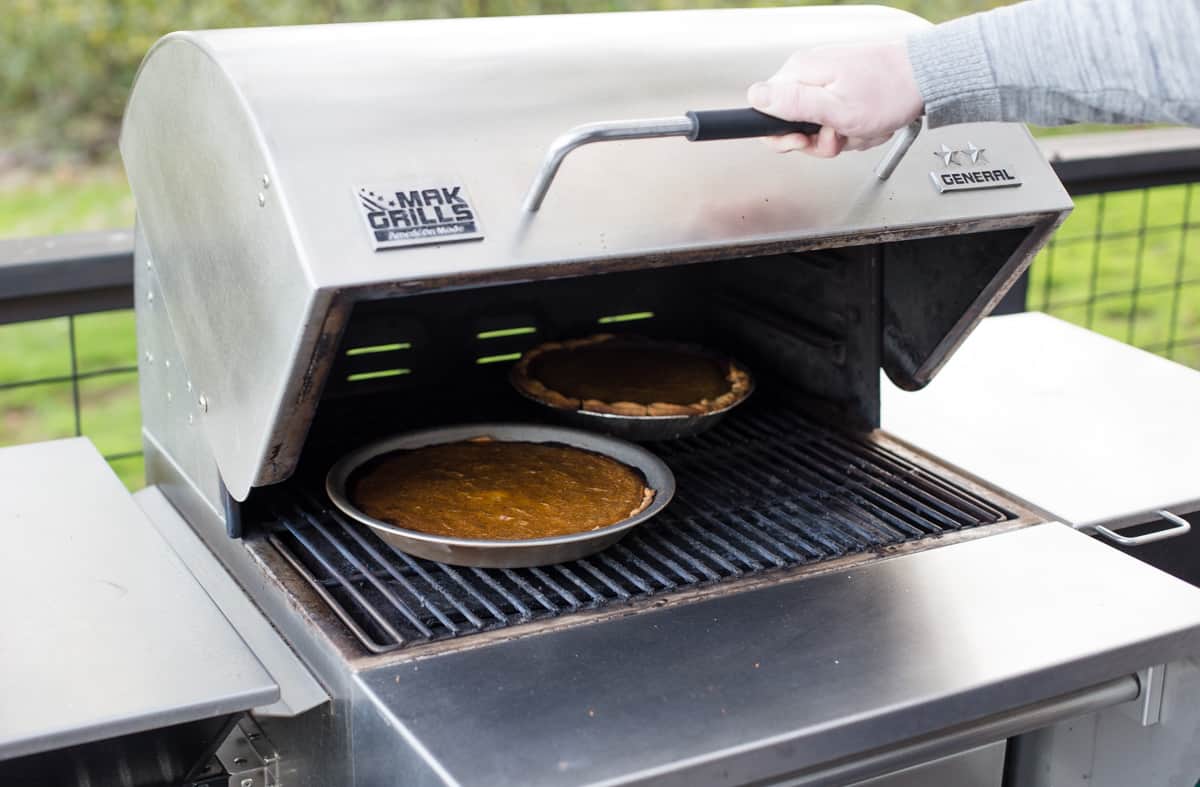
767 490
289 313
311 329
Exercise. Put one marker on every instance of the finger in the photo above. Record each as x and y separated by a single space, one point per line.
795 101
829 143
786 143
859 143
811 68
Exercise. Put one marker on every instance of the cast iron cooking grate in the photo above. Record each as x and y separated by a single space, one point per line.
767 489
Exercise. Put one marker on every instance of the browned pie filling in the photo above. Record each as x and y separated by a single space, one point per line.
615 372
629 376
490 489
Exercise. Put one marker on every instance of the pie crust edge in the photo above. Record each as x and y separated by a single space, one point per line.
737 377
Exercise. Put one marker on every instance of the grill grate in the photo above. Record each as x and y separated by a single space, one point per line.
767 489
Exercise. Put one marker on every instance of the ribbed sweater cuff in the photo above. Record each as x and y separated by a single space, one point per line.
951 66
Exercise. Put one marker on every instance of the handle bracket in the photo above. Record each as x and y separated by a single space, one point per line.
598 132
1179 526
901 142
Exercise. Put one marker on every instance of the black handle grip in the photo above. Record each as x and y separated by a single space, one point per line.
741 123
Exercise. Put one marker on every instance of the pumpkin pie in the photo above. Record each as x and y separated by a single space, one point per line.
492 489
630 376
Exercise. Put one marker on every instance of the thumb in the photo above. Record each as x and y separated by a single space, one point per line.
793 101
759 96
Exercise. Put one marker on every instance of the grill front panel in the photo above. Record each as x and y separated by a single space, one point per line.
767 490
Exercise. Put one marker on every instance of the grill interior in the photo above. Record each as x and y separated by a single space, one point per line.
766 490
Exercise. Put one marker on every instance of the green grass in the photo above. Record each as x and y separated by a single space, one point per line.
1061 280
66 200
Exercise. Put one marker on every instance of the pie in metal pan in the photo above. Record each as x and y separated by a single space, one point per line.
631 386
500 495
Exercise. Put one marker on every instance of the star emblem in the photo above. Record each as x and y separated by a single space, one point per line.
948 156
975 153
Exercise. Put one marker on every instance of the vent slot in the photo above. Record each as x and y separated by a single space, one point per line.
379 374
378 348
503 333
615 319
484 360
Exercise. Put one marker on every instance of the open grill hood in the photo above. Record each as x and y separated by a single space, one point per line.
250 152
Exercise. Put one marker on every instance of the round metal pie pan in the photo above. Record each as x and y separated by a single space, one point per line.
499 553
644 428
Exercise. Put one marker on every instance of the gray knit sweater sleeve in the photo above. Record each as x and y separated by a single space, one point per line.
1053 62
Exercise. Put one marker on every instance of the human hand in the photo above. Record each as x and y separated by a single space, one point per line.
859 94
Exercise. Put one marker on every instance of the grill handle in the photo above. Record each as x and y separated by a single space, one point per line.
1178 527
701 126
712 124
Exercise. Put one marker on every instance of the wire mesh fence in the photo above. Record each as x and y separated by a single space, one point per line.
70 376
1127 264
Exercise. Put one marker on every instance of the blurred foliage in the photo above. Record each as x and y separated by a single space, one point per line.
65 67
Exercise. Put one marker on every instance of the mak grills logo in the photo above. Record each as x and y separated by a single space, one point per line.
969 168
418 212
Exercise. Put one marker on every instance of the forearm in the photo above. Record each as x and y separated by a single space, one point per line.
1064 61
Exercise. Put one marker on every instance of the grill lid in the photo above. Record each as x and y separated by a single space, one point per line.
265 163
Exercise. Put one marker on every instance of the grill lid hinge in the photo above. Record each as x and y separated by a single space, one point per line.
245 758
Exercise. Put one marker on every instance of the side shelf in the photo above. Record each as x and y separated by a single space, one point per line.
299 690
1090 430
105 631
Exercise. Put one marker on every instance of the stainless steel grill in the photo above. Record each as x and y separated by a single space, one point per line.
769 489
283 322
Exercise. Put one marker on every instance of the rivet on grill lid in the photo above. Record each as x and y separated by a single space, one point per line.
266 181
262 199
150 295
203 402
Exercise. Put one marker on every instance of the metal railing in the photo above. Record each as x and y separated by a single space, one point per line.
49 287
1123 264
